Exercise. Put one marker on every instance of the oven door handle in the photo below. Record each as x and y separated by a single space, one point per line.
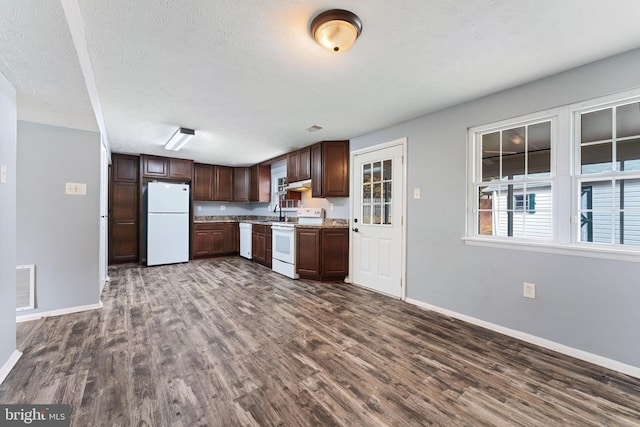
282 227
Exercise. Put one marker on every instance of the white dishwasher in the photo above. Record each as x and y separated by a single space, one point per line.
245 240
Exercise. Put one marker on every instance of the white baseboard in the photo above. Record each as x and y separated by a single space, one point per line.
614 365
8 366
59 312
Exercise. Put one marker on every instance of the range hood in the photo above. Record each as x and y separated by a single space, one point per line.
299 186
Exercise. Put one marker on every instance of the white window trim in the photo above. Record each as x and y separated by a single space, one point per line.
565 177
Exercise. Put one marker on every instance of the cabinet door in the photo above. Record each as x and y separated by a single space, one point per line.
223 183
316 170
216 240
202 179
201 243
258 247
293 161
268 256
241 184
335 169
335 253
125 168
230 242
180 169
123 230
308 253
155 167
304 163
260 183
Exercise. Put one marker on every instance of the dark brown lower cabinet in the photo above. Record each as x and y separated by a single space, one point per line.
215 238
261 244
323 253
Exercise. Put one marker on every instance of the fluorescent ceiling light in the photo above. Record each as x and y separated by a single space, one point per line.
179 138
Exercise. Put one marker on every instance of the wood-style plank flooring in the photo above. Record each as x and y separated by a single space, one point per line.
226 342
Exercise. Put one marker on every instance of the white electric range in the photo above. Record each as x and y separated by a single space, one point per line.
284 241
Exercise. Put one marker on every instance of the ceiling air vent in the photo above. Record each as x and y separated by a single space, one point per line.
314 128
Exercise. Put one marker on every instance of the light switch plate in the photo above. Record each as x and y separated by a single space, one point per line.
3 174
75 189
416 193
529 290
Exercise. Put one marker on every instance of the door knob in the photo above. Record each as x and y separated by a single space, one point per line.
355 229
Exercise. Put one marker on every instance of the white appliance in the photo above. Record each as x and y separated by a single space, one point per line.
245 240
167 223
284 241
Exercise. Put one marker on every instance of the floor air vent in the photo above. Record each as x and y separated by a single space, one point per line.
25 287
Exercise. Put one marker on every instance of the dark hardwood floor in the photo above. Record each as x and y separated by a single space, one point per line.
226 342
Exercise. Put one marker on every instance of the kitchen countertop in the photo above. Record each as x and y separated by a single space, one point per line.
264 220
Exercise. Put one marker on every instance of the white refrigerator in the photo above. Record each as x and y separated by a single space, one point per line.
167 223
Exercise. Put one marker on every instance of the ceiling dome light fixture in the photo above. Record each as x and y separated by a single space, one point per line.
336 29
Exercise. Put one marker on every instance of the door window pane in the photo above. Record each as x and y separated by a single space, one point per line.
366 193
387 214
366 172
386 191
377 171
377 195
366 214
386 170
377 214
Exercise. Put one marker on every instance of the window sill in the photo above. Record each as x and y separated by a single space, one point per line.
578 249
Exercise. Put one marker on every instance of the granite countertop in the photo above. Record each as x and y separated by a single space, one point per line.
267 220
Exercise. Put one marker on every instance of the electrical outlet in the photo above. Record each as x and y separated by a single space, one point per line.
3 174
222 207
75 189
331 207
529 290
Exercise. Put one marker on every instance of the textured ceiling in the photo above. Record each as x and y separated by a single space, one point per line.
247 76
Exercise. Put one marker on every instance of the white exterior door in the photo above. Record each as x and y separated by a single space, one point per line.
377 224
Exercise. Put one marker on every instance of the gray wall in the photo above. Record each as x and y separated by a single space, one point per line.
59 233
585 303
7 221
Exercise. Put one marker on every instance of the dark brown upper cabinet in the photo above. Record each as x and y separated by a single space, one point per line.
299 165
212 183
222 183
154 166
260 190
202 182
165 167
330 169
241 184
181 169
